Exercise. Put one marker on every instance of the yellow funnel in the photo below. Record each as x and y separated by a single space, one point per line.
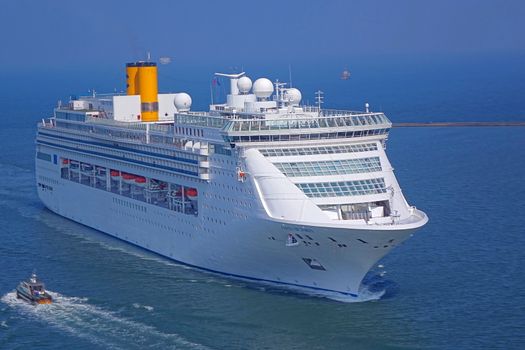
131 79
141 79
148 90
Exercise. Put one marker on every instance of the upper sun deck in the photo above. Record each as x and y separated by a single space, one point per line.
305 123
248 115
258 115
305 118
298 124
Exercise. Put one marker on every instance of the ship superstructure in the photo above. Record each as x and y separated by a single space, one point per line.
259 187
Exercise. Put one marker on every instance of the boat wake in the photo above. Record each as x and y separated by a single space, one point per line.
97 325
367 292
145 307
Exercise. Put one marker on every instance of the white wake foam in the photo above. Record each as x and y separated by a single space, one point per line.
140 306
97 325
364 295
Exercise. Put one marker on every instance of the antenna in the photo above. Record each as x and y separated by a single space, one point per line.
211 91
290 75
148 56
234 89
279 89
319 99
231 76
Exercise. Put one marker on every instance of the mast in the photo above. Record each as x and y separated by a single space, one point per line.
319 99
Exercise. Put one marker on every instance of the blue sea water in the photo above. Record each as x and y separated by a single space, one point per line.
457 284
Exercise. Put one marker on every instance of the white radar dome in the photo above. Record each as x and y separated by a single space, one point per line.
263 88
293 95
182 102
244 84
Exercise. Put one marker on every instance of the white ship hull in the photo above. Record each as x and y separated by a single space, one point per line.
260 187
253 248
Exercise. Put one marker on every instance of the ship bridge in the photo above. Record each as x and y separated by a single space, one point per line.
309 124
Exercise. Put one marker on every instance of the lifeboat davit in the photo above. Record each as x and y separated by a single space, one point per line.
101 171
86 167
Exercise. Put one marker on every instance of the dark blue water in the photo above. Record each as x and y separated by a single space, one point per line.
458 283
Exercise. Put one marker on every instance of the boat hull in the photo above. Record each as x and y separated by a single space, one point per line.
45 299
327 259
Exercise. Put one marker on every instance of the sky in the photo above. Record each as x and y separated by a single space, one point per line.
67 34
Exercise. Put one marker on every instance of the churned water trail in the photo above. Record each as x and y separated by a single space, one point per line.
140 306
76 316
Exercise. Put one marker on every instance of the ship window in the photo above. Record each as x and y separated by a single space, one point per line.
337 167
314 264
152 191
347 188
43 156
313 136
282 152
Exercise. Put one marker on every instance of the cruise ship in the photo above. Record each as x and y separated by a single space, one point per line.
260 187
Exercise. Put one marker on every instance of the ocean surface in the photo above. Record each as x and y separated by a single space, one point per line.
458 283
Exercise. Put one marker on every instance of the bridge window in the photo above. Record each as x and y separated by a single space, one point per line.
282 152
335 167
344 188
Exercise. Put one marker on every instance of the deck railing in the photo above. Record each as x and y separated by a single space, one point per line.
139 133
260 122
302 121
309 121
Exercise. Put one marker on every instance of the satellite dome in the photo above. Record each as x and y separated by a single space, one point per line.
182 102
244 84
293 95
263 88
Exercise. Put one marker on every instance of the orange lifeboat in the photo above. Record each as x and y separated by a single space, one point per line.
140 180
115 173
191 193
128 178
